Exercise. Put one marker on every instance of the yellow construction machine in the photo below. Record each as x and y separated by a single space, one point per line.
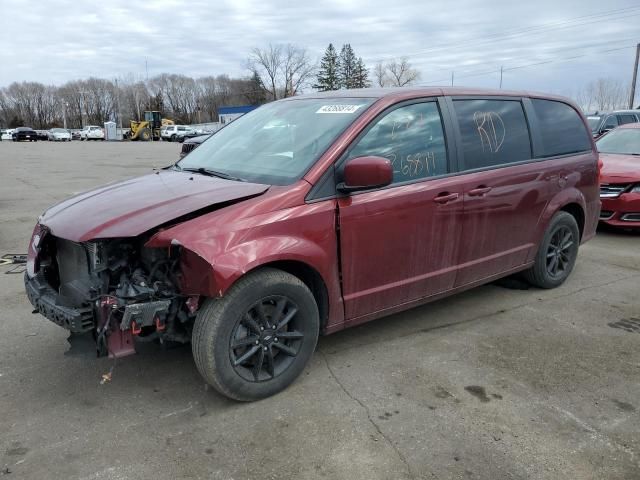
149 128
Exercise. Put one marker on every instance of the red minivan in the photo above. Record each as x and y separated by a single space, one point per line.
316 213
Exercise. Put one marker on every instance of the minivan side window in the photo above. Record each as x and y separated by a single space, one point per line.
412 138
493 132
561 128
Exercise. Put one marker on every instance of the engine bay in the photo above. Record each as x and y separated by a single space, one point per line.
124 292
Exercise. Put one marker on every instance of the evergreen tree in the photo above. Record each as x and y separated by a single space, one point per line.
328 78
361 76
348 65
256 93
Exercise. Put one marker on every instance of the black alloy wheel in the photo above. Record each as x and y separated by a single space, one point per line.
559 251
266 340
257 338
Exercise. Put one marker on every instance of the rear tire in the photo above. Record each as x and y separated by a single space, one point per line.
557 253
235 345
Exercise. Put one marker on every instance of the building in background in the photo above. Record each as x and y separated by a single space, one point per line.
229 114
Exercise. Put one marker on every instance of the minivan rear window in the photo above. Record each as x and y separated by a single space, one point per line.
494 132
561 128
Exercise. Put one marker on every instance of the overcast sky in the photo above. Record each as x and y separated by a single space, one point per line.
56 41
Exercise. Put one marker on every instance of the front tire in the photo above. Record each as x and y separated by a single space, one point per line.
557 253
257 339
144 135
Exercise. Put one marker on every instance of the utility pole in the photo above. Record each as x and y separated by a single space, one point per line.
635 77
501 70
452 78
119 118
82 107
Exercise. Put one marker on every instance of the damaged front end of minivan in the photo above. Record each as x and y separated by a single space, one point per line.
114 289
95 266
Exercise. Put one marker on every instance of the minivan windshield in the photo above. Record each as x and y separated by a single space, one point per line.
622 141
276 143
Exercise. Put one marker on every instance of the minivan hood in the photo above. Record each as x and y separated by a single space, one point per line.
617 168
131 207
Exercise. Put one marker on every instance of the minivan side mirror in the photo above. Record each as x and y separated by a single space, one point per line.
364 173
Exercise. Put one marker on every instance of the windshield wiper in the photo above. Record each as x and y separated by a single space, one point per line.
212 173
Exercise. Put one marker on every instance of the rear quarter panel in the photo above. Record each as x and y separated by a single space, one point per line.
578 184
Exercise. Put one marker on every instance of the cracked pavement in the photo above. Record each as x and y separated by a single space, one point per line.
495 383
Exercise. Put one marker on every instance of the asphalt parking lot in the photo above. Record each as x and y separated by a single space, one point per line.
495 383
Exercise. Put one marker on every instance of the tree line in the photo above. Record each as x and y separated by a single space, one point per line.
93 101
274 72
604 94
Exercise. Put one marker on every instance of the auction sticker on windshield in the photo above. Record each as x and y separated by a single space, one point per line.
338 108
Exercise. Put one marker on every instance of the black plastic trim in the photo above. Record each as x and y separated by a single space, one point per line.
43 298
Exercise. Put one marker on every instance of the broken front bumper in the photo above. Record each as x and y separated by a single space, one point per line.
43 298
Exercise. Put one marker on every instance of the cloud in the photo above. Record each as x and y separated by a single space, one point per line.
66 40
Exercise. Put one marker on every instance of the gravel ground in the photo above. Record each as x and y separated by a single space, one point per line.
494 383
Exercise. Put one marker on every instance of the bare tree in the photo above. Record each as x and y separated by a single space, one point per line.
604 94
400 73
395 73
282 69
134 96
380 75
267 64
297 69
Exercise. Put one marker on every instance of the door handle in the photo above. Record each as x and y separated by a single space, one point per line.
479 191
446 197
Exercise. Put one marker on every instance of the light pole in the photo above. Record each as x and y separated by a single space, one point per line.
119 118
82 107
65 105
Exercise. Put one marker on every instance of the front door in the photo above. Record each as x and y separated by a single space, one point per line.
400 243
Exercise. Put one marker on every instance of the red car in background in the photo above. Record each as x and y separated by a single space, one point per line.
620 176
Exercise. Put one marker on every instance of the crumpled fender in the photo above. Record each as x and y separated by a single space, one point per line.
216 253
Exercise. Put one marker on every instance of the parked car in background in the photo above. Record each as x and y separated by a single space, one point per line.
42 135
174 133
24 133
6 134
190 144
194 133
75 135
59 135
601 123
620 176
312 214
92 132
